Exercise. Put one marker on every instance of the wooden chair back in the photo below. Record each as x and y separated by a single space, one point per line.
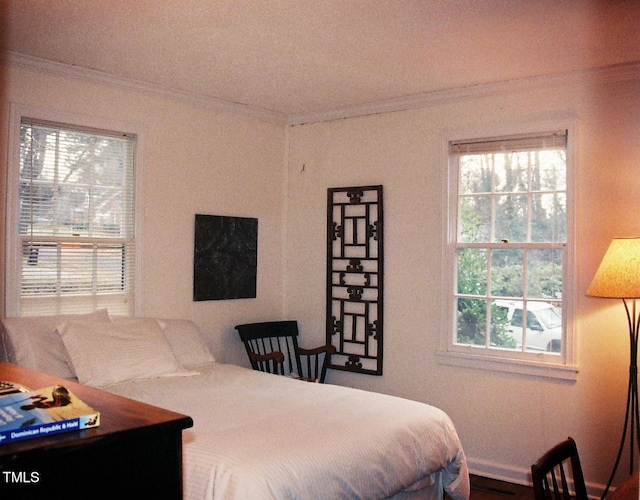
272 362
261 340
554 472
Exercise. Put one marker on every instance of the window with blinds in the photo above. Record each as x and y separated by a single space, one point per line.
508 247
75 219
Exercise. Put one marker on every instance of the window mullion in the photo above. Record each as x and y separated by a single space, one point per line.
94 269
56 183
487 339
525 295
58 270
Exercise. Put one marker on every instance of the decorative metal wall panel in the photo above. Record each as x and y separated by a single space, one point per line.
355 260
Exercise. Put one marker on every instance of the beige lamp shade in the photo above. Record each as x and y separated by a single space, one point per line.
618 276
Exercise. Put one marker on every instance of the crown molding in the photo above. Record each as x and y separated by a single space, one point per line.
94 76
620 72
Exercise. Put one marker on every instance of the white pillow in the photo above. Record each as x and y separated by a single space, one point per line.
185 340
33 342
104 354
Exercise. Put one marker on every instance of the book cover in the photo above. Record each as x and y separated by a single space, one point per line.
43 412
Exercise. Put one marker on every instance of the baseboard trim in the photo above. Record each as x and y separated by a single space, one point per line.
517 475
499 472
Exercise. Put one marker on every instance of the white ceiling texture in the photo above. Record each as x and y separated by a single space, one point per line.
295 61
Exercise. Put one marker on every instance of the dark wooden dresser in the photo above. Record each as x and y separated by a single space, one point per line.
136 452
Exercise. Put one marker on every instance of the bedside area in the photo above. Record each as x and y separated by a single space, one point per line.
135 452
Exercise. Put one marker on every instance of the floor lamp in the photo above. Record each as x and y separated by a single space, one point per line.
618 277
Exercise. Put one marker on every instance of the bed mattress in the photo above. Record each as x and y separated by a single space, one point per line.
261 436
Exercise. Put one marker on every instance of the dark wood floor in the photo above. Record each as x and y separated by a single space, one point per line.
490 489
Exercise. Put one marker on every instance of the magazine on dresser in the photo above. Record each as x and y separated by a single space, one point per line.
29 414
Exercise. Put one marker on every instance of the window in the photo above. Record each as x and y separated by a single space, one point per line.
509 248
73 205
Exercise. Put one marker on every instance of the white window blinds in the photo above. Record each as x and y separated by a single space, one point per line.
76 219
532 142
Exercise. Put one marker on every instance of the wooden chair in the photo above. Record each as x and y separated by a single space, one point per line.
273 347
552 471
272 362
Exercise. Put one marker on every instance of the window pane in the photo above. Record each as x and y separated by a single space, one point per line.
39 268
475 219
549 217
110 268
544 327
511 173
472 321
550 168
543 330
475 174
74 183
507 272
472 271
76 268
500 327
544 276
511 218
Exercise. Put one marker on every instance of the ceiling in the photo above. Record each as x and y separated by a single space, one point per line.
299 58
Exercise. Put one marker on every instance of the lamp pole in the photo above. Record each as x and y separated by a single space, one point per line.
632 415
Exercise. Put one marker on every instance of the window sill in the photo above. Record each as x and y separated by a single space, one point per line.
503 364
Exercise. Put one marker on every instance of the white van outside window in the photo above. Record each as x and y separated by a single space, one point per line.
543 330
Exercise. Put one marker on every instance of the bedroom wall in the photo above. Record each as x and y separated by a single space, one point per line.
236 165
505 420
193 160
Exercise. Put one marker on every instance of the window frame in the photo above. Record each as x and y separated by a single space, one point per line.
563 366
12 266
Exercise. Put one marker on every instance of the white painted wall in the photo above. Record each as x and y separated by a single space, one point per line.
505 420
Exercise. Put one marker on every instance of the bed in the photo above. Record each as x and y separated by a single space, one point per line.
255 435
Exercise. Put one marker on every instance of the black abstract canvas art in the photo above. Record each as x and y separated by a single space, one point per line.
225 257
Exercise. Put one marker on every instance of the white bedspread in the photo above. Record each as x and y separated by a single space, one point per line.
260 436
